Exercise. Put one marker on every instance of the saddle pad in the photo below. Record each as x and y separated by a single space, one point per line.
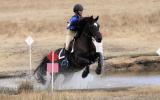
58 55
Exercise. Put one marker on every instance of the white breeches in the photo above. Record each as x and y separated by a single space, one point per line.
69 37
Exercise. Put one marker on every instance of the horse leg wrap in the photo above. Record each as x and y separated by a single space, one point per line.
99 46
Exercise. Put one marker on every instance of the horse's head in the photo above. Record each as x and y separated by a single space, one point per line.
91 28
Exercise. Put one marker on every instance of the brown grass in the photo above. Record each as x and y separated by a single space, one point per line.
20 17
25 87
145 93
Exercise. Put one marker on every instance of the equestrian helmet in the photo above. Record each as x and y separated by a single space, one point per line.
77 7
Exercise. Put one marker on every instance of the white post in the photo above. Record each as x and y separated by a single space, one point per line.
29 42
52 68
158 51
30 59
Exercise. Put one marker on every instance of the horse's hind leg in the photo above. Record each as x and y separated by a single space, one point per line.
39 77
100 63
85 72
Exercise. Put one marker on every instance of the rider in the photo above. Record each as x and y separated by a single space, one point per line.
72 26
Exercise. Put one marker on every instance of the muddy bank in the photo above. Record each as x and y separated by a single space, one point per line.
133 64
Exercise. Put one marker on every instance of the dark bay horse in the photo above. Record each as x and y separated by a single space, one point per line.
84 50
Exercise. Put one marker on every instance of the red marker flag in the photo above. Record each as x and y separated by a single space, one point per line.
55 67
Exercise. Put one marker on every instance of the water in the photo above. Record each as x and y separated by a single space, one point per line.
93 81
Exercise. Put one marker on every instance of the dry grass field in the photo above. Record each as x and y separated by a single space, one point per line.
143 93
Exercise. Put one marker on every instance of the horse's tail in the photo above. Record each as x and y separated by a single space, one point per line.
43 62
41 70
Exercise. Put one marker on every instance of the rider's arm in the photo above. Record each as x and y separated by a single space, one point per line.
72 24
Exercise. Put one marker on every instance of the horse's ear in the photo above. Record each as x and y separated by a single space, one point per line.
91 17
96 19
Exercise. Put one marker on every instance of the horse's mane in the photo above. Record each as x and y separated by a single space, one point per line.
84 20
82 23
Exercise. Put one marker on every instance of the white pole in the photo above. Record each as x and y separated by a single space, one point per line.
29 42
52 68
30 59
158 51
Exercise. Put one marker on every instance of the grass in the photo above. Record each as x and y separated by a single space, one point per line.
26 87
145 93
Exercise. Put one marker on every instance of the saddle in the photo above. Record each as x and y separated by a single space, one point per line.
71 45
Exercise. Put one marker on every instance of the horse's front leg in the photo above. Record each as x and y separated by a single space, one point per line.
100 63
83 61
85 72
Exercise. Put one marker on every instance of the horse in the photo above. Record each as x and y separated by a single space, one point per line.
82 51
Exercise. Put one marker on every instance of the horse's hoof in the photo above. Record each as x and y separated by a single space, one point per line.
36 77
98 71
43 82
85 74
40 79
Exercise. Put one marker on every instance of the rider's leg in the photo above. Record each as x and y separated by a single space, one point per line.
69 37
